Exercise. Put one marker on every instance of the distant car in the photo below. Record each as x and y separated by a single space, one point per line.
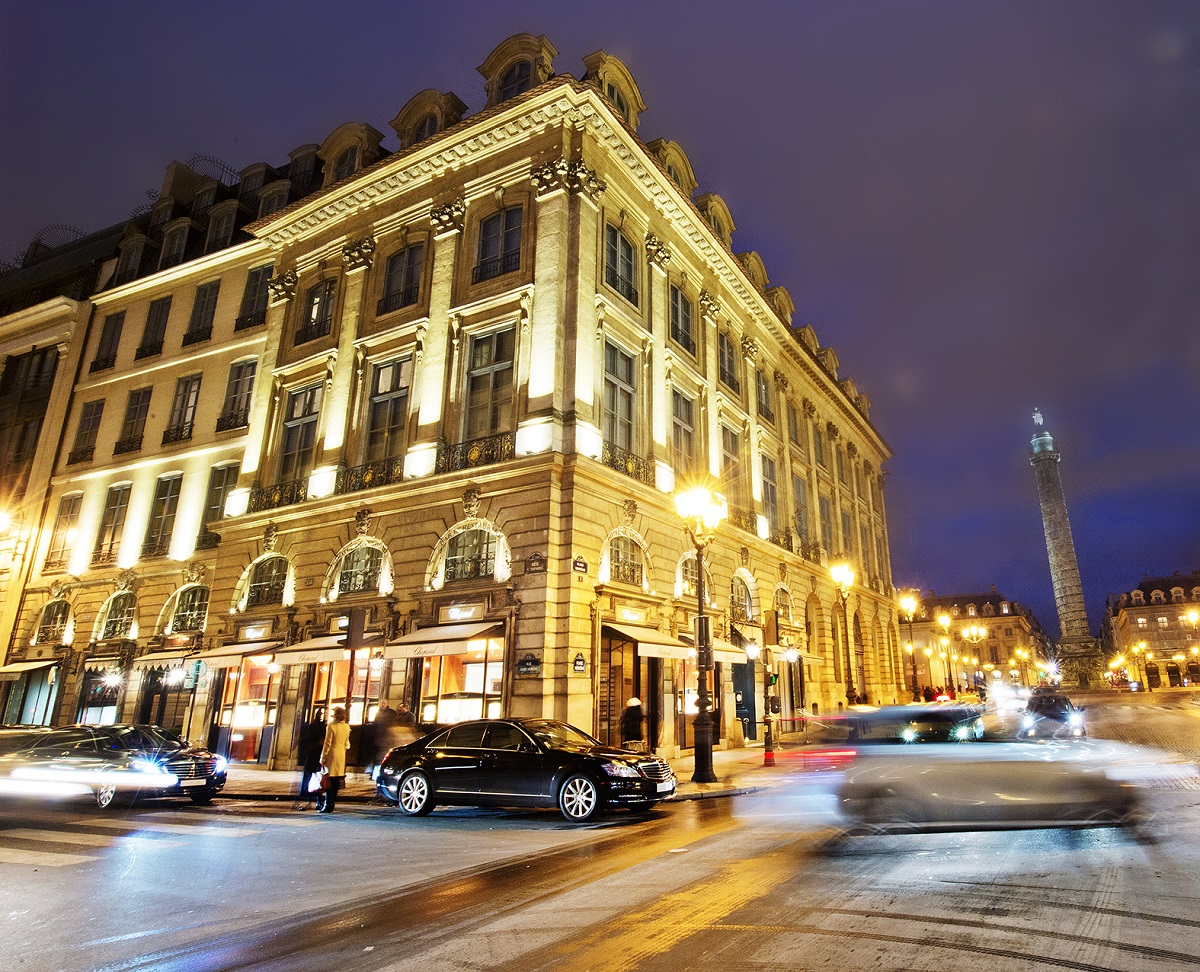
107 763
522 763
1052 716
942 722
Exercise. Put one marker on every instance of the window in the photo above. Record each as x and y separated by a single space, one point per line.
85 435
134 425
727 362
619 267
174 245
762 385
387 413
360 571
191 607
63 537
221 480
301 172
770 495
300 432
499 244
402 280
239 390
220 231
516 80
30 372
267 580
1004 607
731 465
681 320
864 549
800 502
793 420
318 312
204 308
741 607
110 338
1162 622
118 618
683 442
183 410
53 624
1157 597
1139 597
254 299
156 329
426 128
826 516
819 447
1143 623
204 200
129 262
111 525
689 575
162 516
620 389
625 561
1177 595
346 165
858 482
470 555
618 101
490 384
272 202
782 605
840 456
847 534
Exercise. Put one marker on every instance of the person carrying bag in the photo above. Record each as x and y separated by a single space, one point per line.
333 760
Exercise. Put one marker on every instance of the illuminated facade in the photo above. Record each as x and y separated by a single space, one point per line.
1153 631
407 423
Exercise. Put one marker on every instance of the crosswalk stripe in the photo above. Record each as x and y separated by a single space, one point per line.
59 837
201 830
16 855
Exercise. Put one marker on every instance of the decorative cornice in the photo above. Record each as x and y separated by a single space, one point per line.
562 174
282 287
358 255
657 252
448 218
549 176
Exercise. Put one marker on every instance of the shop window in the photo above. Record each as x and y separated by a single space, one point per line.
119 616
267 580
455 688
249 704
470 555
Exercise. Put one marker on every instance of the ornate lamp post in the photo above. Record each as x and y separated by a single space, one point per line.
753 650
843 575
974 633
702 512
909 602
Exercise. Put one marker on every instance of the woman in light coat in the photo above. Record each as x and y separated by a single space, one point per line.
333 758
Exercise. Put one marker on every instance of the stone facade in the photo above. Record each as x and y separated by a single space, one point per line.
1151 634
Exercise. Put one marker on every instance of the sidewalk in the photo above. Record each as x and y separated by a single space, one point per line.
737 771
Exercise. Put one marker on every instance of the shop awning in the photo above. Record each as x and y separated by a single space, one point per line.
438 639
723 651
10 673
652 643
229 655
160 659
324 648
101 664
805 656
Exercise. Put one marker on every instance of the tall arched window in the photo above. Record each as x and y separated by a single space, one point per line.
470 555
53 623
360 570
625 561
783 605
516 80
119 615
741 608
191 609
267 580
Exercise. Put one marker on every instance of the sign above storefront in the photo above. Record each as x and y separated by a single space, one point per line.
254 632
452 613
631 615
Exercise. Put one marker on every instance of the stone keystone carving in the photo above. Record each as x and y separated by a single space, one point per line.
283 286
270 537
357 255
448 218
362 521
59 590
744 557
126 581
194 573
471 502
657 252
749 347
629 509
708 305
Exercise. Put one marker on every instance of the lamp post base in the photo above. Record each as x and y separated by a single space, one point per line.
702 771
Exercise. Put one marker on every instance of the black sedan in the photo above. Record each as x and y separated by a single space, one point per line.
107 763
522 763
1052 717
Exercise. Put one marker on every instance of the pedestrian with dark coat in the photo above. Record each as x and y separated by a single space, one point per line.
312 738
383 734
631 724
333 759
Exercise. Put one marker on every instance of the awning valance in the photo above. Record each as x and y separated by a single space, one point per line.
101 664
229 655
11 672
653 643
160 659
324 648
438 639
723 651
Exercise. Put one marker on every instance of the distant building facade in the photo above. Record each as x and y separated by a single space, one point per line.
408 424
1153 631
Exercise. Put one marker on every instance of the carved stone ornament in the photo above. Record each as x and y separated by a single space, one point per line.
582 179
282 287
809 408
549 176
194 573
868 467
601 307
270 536
471 502
657 252
126 581
708 305
362 521
448 218
749 348
833 431
744 557
783 572
781 380
357 255
629 509
851 450
59 590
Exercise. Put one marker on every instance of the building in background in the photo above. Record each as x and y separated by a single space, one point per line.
408 423
1151 634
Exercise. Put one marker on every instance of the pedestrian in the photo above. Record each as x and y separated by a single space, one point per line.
927 693
312 738
383 735
406 726
333 758
631 725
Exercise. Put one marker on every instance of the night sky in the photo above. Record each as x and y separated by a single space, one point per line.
984 206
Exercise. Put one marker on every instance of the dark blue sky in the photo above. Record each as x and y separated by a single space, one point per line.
984 207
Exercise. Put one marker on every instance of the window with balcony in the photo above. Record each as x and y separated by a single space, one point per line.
782 604
155 331
30 374
516 80
620 266
62 539
318 312
625 561
471 555
182 420
299 433
52 626
130 261
800 503
110 340
387 411
682 332
727 363
490 384
819 447
741 605
112 525
766 400
162 516
770 495
731 466
221 481
254 298
85 435
847 535
683 435
793 421
402 278
499 244
239 392
190 610
826 515
204 309
359 571
134 426
620 395
840 456
268 578
118 616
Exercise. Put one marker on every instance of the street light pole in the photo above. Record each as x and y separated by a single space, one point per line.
974 633
843 575
702 511
909 603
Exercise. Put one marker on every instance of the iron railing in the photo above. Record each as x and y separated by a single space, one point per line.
470 568
631 465
234 419
496 266
403 297
198 335
83 454
177 433
281 494
129 444
477 452
382 472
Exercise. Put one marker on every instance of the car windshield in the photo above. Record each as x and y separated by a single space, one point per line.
1048 704
144 738
559 735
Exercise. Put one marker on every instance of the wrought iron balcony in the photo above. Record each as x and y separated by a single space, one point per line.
147 351
747 520
634 466
496 266
130 443
82 454
622 285
782 538
260 594
740 612
252 319
310 332
51 634
404 297
234 419
625 573
104 555
811 550
477 452
177 433
101 364
188 621
198 335
281 494
157 547
57 562
765 411
469 568
358 581
382 472
207 540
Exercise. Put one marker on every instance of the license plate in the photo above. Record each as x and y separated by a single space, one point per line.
666 787
199 782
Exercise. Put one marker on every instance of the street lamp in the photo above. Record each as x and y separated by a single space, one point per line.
753 650
1137 664
843 575
702 511
974 633
909 602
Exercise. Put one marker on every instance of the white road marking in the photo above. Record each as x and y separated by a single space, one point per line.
59 837
192 830
15 855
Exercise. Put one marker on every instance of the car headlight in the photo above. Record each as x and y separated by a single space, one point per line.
620 769
1027 722
908 734
146 766
1075 719
961 732
221 765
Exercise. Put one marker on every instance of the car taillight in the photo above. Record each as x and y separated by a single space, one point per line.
828 759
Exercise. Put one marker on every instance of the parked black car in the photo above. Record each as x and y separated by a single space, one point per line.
522 763
107 762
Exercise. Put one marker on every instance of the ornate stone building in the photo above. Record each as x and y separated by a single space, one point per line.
409 423
1152 632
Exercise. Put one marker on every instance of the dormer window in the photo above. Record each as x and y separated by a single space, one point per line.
1139 597
272 202
427 127
346 165
174 246
617 99
301 171
248 190
204 200
516 80
220 231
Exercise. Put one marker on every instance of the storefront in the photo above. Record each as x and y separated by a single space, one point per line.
167 688
28 692
100 694
243 698
455 671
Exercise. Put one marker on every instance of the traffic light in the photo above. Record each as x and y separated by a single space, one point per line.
774 677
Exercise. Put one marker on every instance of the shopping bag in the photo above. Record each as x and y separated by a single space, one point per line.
318 782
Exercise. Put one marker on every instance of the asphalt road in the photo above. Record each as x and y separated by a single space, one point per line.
751 882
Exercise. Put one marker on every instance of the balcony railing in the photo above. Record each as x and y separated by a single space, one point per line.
281 494
147 351
177 433
470 568
634 466
207 540
157 547
255 317
738 611
233 419
260 594
130 443
358 581
477 452
782 538
743 518
625 573
188 621
57 562
622 285
765 411
397 299
82 454
382 472
811 550
496 266
101 364
310 332
198 335
51 634
104 555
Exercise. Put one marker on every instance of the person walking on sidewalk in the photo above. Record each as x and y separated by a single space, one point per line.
333 758
312 740
383 735
631 725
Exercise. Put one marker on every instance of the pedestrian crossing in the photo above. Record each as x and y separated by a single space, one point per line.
64 840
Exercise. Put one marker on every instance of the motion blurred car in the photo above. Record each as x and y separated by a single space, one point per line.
107 763
918 724
522 763
1052 716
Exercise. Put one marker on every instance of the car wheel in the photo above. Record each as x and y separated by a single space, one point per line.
579 799
203 797
414 794
106 796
